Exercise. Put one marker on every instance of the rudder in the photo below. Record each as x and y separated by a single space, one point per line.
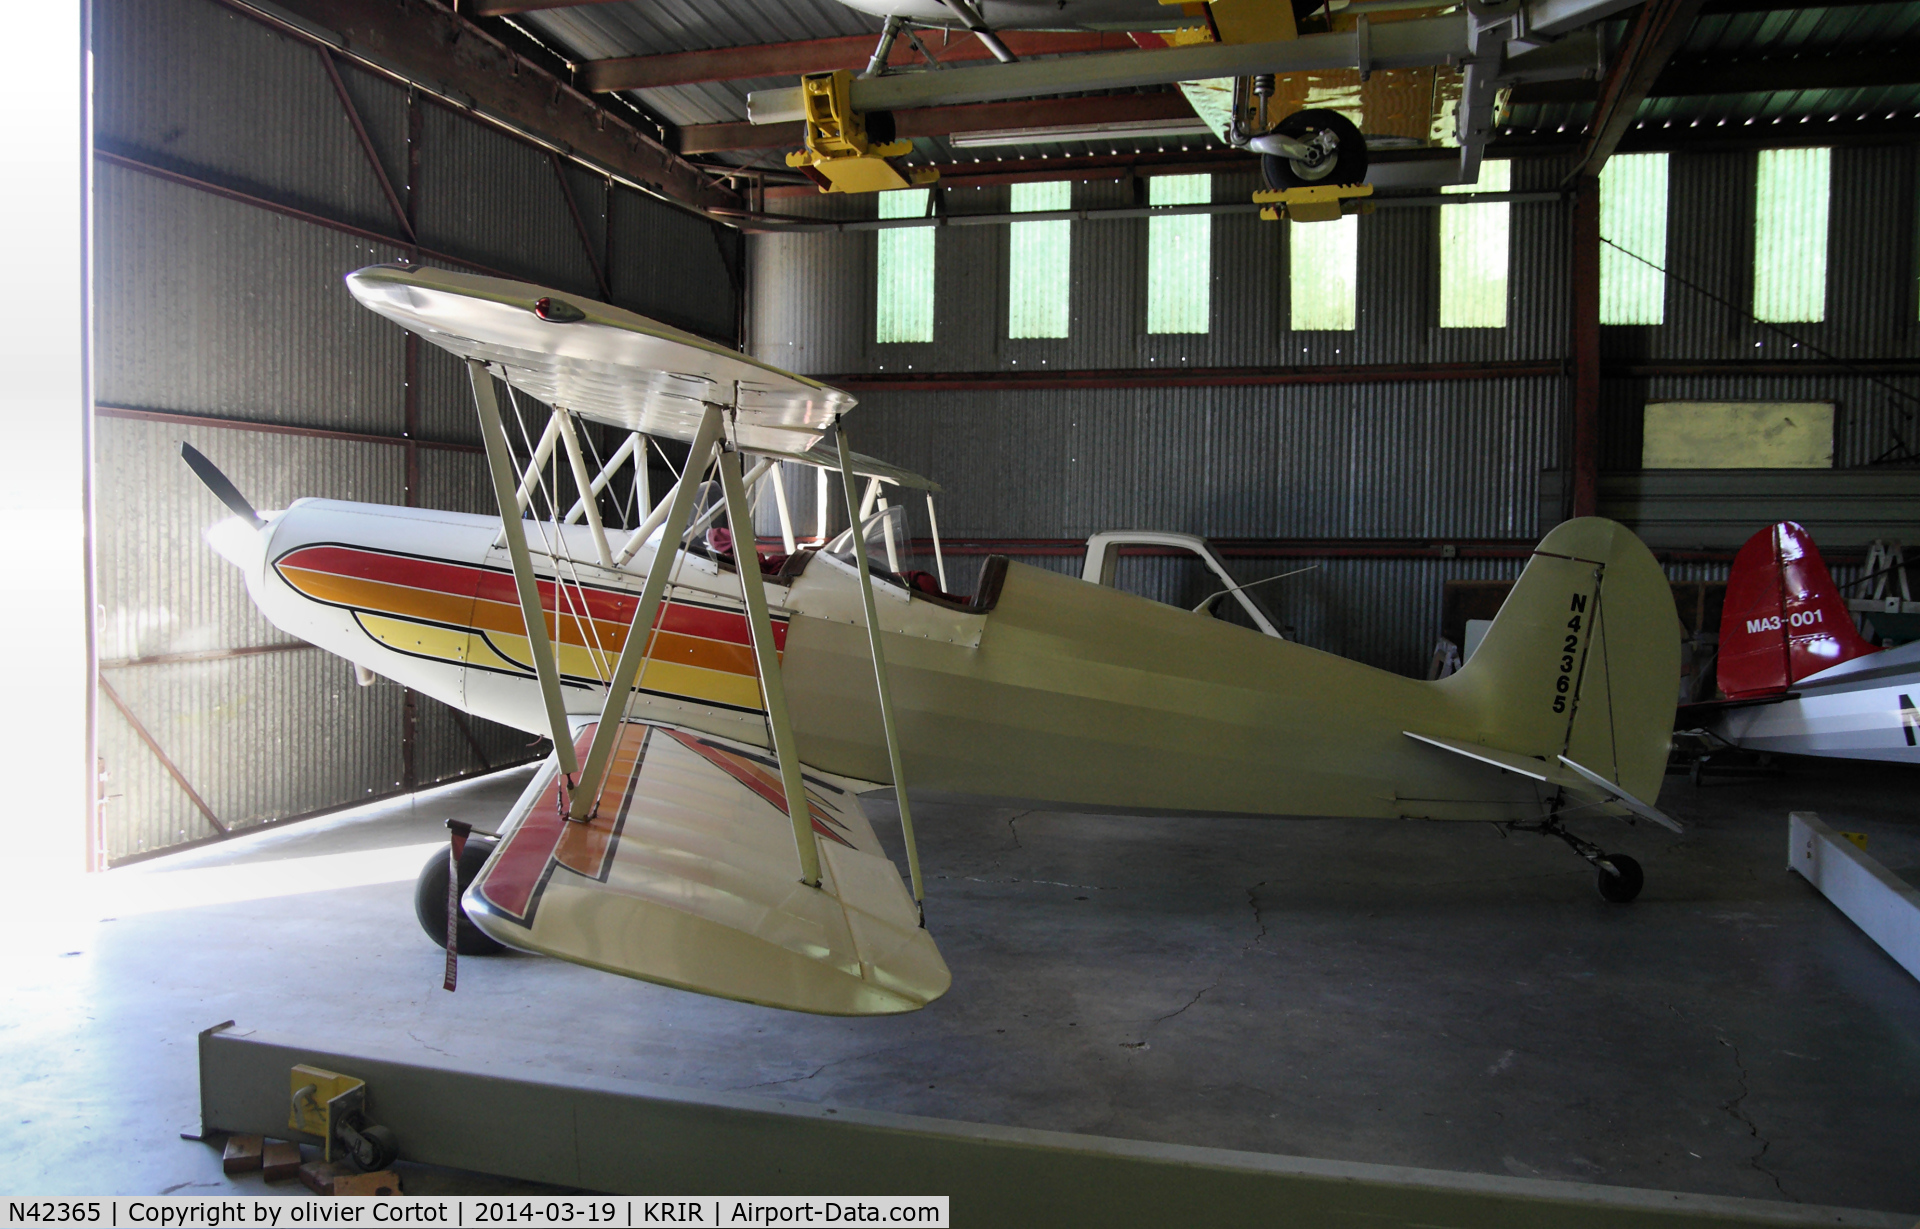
1583 659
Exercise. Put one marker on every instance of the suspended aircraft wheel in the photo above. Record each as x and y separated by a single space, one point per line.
1623 883
1339 152
430 900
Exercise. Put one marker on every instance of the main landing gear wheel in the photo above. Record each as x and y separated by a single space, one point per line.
1623 882
430 899
1340 152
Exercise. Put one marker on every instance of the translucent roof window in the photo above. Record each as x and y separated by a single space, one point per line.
1790 202
903 298
1322 273
1473 254
1179 256
1039 262
1633 234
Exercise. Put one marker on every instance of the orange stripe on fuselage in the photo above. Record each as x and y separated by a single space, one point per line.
485 600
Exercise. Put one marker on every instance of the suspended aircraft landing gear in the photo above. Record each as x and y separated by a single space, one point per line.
430 899
1619 877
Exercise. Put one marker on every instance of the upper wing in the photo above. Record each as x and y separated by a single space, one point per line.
601 362
687 876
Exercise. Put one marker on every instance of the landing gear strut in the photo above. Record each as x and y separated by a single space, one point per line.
1619 878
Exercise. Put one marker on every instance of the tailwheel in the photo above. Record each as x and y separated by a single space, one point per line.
1620 879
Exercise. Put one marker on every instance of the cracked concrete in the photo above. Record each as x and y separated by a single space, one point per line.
1753 1128
1419 994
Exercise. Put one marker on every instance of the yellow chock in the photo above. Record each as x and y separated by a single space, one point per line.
1318 203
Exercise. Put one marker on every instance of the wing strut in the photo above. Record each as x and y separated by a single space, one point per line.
546 666
639 643
766 658
880 668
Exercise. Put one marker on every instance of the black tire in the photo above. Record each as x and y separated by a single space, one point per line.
1623 887
1347 166
430 900
376 1149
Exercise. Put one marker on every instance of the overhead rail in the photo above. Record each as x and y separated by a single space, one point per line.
794 223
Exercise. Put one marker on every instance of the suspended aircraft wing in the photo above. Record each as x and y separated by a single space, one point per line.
1565 775
601 362
685 875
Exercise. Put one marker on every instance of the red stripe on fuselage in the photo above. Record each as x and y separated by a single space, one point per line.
437 576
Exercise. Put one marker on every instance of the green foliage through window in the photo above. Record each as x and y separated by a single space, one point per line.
1473 255
1179 256
1633 215
903 297
1790 201
1039 262
1322 273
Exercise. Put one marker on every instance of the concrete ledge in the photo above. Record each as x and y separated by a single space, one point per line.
1873 897
633 1138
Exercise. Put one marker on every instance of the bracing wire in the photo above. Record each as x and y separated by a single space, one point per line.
1731 306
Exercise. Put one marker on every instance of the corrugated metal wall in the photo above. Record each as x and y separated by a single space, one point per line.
211 307
1432 460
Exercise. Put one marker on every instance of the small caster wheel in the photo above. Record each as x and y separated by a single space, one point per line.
430 900
1623 883
375 1149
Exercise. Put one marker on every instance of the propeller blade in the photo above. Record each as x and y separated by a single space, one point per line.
218 483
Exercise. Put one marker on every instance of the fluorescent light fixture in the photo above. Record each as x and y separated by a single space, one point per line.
1119 130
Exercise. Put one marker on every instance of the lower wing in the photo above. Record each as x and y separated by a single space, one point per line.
687 875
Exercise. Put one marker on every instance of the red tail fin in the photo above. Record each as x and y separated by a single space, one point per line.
1784 618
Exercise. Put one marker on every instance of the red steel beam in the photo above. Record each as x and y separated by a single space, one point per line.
1301 548
819 55
176 659
945 121
1184 377
427 44
1655 35
179 778
1375 373
274 428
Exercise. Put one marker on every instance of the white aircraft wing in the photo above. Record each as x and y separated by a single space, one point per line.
601 362
686 875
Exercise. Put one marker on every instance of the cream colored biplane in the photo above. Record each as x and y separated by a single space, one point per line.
718 705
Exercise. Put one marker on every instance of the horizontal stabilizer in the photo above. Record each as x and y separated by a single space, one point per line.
1623 797
687 875
1582 780
1525 765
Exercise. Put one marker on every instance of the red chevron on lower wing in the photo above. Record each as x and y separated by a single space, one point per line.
761 782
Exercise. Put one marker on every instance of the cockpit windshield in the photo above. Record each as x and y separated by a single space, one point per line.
885 538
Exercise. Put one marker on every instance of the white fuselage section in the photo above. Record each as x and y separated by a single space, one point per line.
1862 709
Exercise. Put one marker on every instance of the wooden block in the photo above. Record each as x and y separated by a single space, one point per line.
319 1176
386 1182
279 1160
242 1154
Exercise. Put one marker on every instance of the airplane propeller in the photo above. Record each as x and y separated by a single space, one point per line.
221 486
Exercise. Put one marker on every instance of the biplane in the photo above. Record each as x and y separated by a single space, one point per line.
1796 674
719 703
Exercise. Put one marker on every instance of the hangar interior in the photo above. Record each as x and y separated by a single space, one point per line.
1379 417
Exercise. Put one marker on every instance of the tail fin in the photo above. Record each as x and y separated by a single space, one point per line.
1784 618
1583 659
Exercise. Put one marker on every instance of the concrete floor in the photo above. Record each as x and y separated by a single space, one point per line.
1418 994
